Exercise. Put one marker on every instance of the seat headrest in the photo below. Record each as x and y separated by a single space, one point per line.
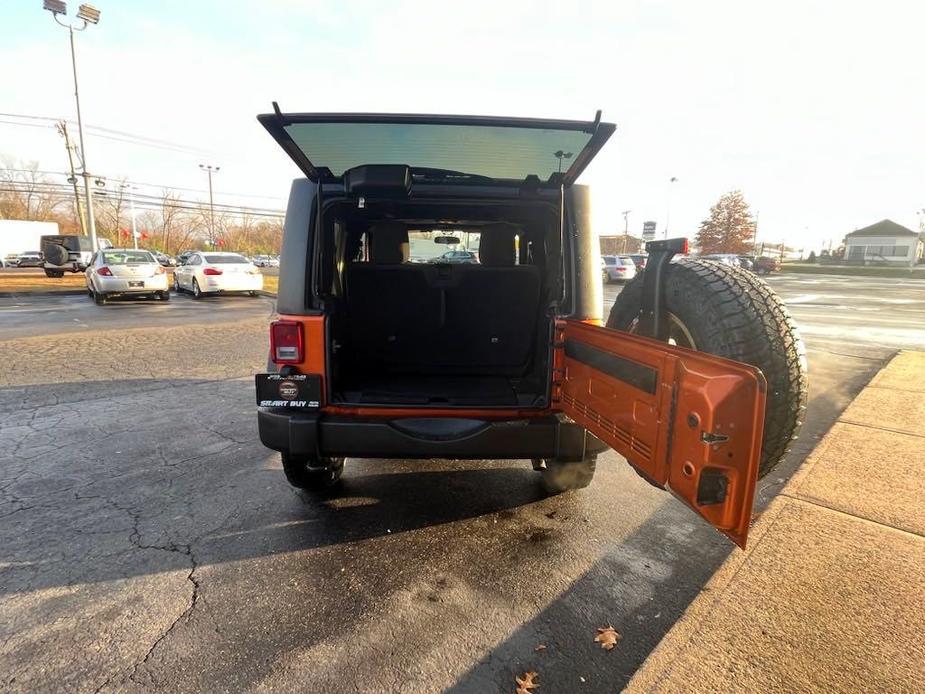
496 245
389 243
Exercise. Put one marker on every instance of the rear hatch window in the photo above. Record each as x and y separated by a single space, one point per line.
226 259
127 257
325 146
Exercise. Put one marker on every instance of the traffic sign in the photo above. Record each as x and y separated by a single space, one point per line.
648 231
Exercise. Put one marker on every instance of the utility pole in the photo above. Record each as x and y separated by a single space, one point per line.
72 178
755 239
88 15
208 168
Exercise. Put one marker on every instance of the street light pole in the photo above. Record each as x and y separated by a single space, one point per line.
626 227
88 15
673 179
131 206
208 168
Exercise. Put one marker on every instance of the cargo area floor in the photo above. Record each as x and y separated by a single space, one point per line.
492 391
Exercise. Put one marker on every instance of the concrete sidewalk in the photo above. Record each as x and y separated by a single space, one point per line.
830 594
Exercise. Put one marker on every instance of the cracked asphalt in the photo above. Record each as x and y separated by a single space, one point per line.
149 542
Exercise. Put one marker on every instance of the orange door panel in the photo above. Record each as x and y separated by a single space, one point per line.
690 422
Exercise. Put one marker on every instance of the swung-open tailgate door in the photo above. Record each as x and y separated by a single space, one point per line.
688 421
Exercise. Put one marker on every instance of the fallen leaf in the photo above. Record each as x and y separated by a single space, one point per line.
541 647
607 637
525 684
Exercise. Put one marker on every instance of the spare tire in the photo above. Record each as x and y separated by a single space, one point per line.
732 313
56 254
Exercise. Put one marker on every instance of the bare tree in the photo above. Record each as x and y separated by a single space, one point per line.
27 194
111 204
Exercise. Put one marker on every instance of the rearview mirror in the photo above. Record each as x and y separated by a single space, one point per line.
446 240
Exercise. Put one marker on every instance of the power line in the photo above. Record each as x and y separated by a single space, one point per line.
150 202
162 186
132 137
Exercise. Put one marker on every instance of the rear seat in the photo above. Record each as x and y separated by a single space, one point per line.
492 309
392 311
443 318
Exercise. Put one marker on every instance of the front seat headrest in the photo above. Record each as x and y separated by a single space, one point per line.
389 243
496 245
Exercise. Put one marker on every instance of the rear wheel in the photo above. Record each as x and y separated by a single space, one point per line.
254 293
164 295
176 283
730 312
559 476
197 292
99 298
317 474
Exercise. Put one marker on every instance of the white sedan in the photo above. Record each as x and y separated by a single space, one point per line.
124 272
205 272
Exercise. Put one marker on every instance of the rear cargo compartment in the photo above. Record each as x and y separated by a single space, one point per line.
414 329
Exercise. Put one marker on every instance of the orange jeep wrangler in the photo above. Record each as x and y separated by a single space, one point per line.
387 345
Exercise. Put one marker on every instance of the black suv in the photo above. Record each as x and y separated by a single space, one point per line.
696 378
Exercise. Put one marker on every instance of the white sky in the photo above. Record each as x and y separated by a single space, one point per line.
815 110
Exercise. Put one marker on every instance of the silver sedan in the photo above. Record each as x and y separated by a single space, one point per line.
124 272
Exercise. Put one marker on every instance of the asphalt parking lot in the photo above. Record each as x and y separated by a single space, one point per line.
149 542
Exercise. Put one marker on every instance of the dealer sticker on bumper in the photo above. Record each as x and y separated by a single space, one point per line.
301 391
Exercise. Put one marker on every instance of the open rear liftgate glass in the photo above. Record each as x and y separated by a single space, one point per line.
689 422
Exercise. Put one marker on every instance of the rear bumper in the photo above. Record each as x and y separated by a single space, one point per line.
224 283
72 266
423 437
118 285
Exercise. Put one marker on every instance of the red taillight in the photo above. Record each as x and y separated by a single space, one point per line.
104 271
286 342
159 270
685 249
211 271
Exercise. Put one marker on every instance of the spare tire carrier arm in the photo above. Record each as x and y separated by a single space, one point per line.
653 321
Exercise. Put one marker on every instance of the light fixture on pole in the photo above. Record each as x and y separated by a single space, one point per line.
87 14
560 155
208 168
626 228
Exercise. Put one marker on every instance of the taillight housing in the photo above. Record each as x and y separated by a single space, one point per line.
104 271
159 270
211 271
286 344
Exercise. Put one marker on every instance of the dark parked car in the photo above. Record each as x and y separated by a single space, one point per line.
373 356
764 265
183 257
640 260
164 259
456 257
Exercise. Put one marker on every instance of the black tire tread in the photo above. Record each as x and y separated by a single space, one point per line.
316 478
733 313
559 477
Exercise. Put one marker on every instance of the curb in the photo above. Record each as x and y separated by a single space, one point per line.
49 292
81 292
816 602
